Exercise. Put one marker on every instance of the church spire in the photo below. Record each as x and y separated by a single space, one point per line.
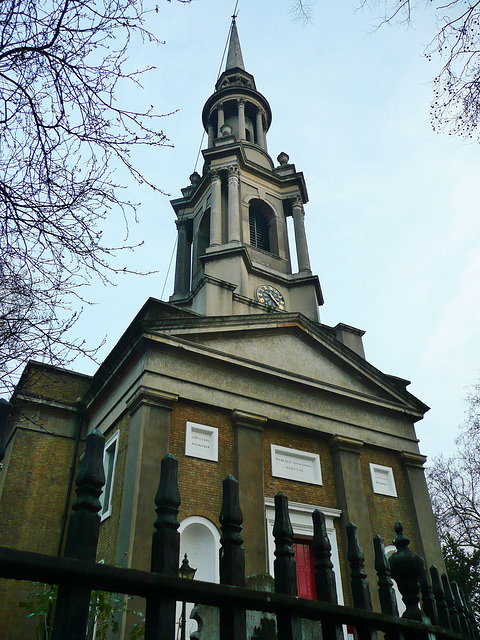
234 56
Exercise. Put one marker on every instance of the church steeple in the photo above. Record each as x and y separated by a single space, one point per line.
236 107
234 56
233 254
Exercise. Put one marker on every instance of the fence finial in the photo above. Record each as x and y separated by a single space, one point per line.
356 559
324 574
442 609
452 608
322 549
407 568
460 609
388 600
428 601
233 621
160 618
166 539
289 626
83 528
73 600
232 558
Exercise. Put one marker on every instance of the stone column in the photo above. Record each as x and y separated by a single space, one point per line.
233 204
221 119
352 499
216 208
248 470
300 235
147 444
211 135
148 438
183 260
241 118
425 532
260 130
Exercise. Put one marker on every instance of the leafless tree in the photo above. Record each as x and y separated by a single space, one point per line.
456 46
454 486
454 483
62 129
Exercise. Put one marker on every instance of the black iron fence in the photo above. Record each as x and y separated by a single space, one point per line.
435 608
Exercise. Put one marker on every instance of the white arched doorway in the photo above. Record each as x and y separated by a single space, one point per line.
200 540
389 551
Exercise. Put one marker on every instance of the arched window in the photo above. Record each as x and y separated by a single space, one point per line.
201 242
259 232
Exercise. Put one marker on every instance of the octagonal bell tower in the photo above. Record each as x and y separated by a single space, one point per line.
233 252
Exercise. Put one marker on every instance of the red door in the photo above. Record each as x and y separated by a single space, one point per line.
305 569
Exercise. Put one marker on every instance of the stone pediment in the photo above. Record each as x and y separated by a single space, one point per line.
290 345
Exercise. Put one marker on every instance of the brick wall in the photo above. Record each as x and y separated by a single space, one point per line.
386 510
31 510
200 481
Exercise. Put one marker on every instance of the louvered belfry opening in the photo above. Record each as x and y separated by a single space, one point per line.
259 233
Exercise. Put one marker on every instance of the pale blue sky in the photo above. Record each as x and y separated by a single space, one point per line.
393 217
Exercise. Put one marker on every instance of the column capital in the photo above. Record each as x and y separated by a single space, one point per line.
215 174
241 102
413 459
233 172
149 396
296 202
342 443
248 420
180 223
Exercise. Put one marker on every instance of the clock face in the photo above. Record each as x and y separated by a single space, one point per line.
271 297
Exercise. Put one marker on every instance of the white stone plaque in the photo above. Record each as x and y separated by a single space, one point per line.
296 465
383 481
201 441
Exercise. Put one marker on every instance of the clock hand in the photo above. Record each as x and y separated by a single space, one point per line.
274 302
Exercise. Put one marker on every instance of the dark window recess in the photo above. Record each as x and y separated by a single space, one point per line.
305 562
259 236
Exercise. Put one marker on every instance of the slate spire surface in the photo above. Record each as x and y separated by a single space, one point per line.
234 56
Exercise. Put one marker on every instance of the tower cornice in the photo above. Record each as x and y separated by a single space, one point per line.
236 152
232 92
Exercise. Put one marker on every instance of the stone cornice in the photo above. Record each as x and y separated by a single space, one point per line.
148 396
74 407
248 420
342 443
413 459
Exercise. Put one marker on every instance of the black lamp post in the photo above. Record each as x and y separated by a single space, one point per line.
185 571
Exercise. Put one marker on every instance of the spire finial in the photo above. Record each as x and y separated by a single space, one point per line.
234 56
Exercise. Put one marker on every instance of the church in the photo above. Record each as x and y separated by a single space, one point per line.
234 374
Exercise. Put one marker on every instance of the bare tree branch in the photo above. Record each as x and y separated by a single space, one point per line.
302 10
62 63
456 47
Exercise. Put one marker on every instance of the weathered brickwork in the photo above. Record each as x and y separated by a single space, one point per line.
107 542
386 510
53 383
200 481
31 510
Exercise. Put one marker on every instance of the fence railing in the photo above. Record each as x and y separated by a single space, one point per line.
435 608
